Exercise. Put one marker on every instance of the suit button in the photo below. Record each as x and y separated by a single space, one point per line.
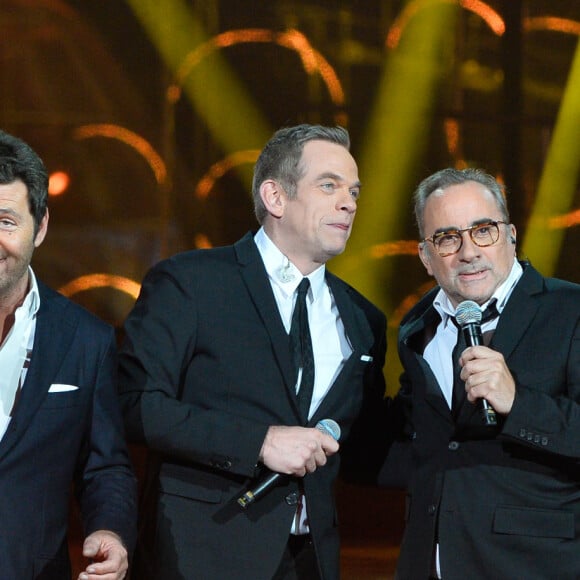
431 509
544 441
529 436
227 464
453 446
522 432
292 498
536 438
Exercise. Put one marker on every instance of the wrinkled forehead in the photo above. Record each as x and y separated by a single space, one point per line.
460 206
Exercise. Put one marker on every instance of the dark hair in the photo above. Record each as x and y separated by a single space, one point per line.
447 177
18 161
280 158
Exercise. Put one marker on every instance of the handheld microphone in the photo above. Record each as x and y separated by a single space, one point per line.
468 316
328 426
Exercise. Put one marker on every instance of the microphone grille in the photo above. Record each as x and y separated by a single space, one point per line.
468 312
330 427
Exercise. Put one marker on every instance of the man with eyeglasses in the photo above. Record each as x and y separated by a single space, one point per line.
487 501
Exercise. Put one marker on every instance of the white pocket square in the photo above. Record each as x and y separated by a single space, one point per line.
60 388
366 358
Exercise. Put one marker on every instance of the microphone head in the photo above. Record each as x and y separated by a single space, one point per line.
468 312
330 427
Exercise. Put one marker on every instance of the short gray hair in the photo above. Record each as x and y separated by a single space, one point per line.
451 176
280 158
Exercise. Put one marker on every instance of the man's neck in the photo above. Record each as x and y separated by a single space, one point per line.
306 267
9 303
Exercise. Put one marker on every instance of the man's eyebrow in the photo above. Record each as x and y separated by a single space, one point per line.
329 175
336 177
9 211
477 222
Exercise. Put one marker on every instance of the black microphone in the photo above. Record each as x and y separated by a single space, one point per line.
328 426
468 316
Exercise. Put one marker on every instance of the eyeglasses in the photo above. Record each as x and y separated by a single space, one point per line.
450 242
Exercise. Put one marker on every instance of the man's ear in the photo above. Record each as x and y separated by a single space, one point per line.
513 234
42 229
273 197
425 257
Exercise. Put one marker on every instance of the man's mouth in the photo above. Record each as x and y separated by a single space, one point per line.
472 274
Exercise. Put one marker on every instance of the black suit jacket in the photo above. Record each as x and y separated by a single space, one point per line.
505 504
57 438
205 370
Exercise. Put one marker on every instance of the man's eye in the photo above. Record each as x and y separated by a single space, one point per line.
447 239
355 193
482 230
6 223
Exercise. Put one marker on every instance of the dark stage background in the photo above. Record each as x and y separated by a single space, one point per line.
149 115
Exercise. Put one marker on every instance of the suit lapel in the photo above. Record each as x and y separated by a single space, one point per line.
518 313
360 337
512 325
413 337
52 338
357 328
256 280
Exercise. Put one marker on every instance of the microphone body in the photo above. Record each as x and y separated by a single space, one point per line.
266 483
468 316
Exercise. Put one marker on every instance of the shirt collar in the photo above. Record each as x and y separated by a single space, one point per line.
31 302
282 271
447 311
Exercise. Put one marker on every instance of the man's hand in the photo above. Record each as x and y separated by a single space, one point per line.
296 450
487 376
108 555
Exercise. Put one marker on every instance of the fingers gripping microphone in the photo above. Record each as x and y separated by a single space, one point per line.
327 426
468 316
330 427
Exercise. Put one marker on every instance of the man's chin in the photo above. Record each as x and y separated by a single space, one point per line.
334 251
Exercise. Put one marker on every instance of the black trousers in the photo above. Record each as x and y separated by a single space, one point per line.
298 561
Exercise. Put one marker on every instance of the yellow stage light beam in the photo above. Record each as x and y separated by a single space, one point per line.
395 140
394 144
221 101
559 179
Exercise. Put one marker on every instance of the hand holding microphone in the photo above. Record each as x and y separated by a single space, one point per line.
489 380
293 451
468 315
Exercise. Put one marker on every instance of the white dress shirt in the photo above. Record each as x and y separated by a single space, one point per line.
439 352
330 345
14 352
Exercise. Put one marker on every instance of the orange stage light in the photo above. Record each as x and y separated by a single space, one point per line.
101 280
58 183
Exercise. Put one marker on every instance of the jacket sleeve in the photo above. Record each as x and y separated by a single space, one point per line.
159 355
546 412
104 481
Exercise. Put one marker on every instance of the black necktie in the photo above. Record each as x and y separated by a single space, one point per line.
301 349
458 385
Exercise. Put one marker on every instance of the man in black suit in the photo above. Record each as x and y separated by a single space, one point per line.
207 379
59 413
499 501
